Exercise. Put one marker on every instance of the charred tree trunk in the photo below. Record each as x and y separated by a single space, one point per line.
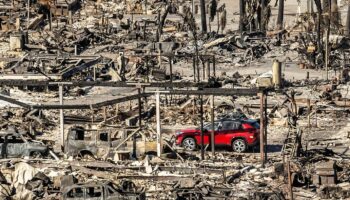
280 14
263 16
319 19
335 15
326 11
327 37
326 4
163 15
203 16
242 26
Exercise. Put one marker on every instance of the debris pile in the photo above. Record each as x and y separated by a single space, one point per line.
199 99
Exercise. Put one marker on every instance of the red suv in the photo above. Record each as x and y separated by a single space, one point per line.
237 133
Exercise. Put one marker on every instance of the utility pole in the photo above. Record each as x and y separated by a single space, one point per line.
280 14
203 16
242 15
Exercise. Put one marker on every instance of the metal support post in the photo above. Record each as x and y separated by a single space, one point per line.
212 126
290 186
60 89
262 129
202 129
159 137
265 126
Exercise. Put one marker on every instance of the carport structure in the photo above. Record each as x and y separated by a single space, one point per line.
198 89
212 92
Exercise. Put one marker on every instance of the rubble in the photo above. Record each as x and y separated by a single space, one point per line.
99 98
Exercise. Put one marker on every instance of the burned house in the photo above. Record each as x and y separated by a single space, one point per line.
58 68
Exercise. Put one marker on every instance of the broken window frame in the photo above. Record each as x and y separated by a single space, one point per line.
71 196
97 192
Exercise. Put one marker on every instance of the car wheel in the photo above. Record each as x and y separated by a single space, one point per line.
189 144
239 146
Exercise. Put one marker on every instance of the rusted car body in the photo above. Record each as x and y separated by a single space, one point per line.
14 145
91 142
99 191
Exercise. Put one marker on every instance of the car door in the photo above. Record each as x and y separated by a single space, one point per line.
103 144
233 132
2 146
224 128
207 132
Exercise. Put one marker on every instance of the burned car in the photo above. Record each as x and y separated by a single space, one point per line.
89 143
103 191
13 145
